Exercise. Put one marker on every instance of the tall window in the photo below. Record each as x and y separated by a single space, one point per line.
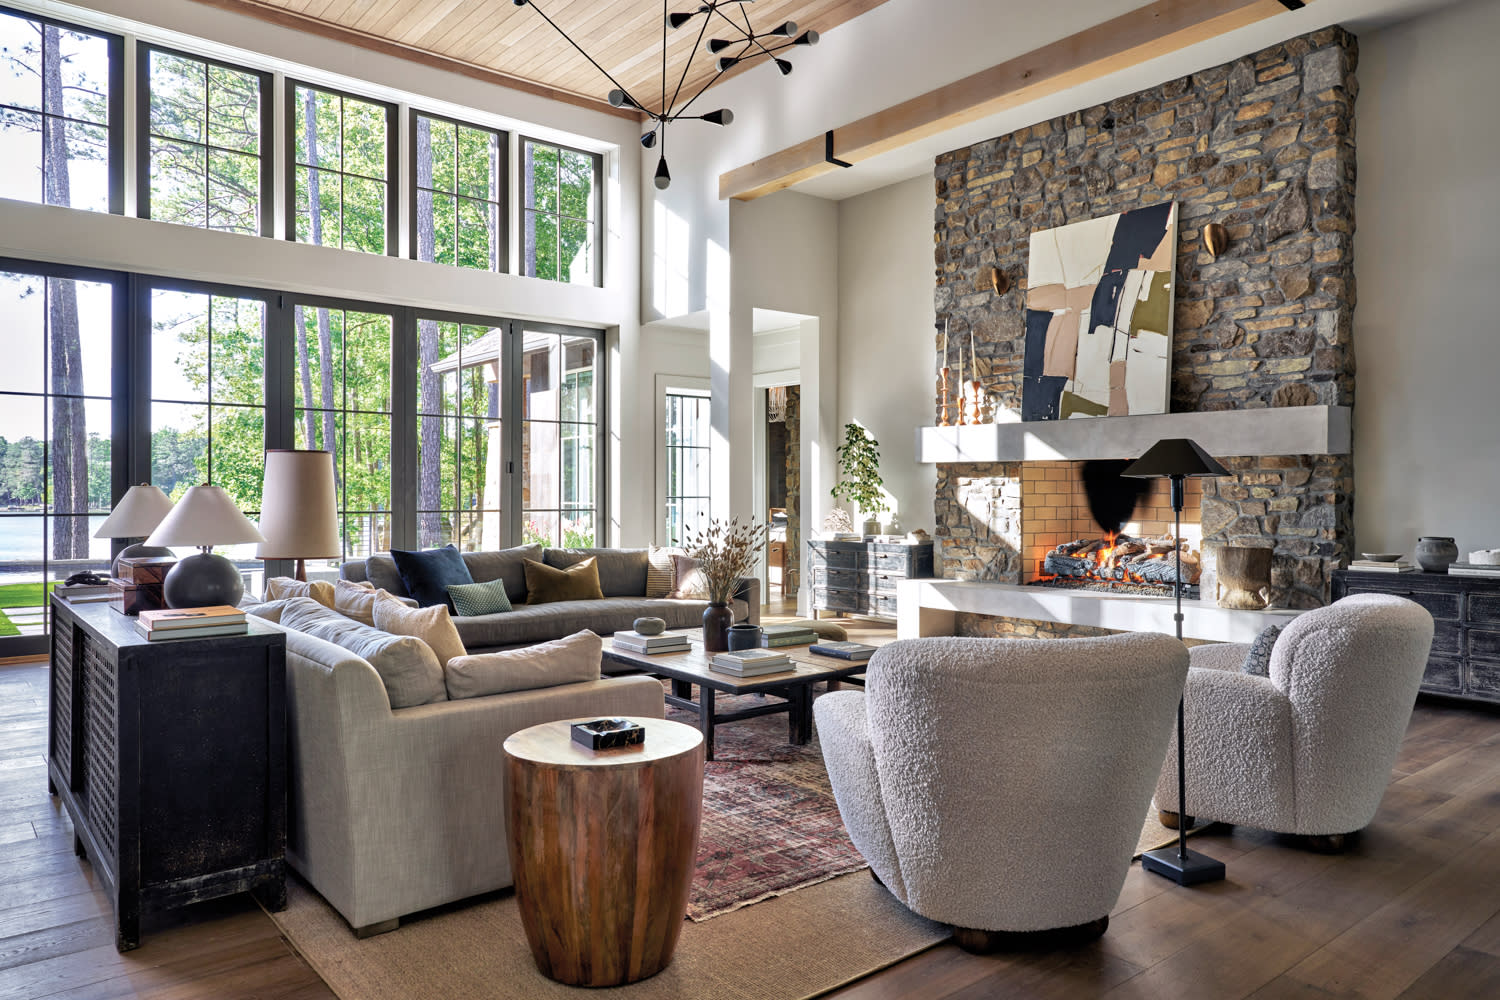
559 213
342 388
460 440
56 109
687 434
341 147
56 440
559 436
204 128
459 209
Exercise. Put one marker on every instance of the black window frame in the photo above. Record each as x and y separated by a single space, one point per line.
521 209
392 159
144 135
502 204
115 104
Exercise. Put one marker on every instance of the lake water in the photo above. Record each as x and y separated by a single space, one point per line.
23 540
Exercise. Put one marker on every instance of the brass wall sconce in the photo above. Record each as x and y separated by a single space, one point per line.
1215 239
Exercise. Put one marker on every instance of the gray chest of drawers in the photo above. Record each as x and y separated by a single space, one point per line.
1465 657
860 578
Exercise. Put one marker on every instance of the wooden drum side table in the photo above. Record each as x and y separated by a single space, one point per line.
603 845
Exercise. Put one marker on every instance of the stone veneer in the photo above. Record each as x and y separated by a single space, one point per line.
1263 145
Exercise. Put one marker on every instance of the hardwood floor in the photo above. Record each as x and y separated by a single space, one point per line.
1412 910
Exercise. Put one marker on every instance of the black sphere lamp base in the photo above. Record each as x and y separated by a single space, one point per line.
203 580
1195 868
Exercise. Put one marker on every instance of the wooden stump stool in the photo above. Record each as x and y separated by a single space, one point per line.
603 846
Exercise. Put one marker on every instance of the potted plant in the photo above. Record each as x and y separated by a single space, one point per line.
859 476
724 553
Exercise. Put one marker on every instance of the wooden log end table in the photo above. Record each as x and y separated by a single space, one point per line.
603 845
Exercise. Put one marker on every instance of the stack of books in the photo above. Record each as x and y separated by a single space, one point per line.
786 635
634 642
1473 569
84 593
192 623
843 650
1376 566
750 662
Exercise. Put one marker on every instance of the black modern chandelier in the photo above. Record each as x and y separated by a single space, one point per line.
746 43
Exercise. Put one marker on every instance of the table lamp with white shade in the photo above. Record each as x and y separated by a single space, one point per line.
137 514
299 516
203 518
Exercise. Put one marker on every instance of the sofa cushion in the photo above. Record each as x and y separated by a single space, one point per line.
380 569
688 583
471 599
568 660
353 600
622 572
540 622
269 610
431 624
579 582
659 570
407 666
281 587
504 564
429 572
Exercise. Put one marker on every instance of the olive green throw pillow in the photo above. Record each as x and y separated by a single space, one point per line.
546 584
472 599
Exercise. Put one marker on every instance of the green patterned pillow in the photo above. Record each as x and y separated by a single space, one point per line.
471 599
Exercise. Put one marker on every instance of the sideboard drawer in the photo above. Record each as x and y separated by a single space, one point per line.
838 600
1442 607
1444 675
1483 642
1484 608
1484 680
1447 639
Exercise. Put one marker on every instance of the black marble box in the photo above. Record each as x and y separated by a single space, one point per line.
609 734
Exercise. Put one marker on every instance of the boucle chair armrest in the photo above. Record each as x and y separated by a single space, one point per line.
844 732
1218 656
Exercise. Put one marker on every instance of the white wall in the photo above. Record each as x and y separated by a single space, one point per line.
1426 329
885 346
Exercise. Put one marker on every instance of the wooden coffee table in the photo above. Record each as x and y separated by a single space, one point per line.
686 670
603 844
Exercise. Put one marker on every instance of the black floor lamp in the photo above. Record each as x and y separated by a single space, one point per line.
1178 459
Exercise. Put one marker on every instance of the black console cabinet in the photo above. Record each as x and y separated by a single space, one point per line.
860 577
170 758
1465 657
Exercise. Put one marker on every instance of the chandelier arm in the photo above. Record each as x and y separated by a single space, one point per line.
617 83
666 108
711 81
747 31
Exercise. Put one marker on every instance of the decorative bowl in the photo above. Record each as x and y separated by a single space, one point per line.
1381 556
1485 557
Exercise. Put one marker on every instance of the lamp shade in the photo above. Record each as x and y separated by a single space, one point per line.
204 517
299 517
1175 457
137 514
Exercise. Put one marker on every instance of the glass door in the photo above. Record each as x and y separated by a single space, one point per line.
559 447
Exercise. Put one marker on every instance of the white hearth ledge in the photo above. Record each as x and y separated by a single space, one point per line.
928 607
1282 430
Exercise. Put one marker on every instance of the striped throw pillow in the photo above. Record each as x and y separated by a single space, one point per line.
659 571
471 599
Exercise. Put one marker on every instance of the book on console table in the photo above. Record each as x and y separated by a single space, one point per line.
843 650
750 662
1372 566
1473 569
167 619
195 632
632 643
786 635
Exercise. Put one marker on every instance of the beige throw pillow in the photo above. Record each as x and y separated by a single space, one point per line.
431 624
406 665
659 571
562 661
281 587
687 580
356 602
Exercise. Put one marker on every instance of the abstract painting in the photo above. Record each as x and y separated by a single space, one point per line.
1099 316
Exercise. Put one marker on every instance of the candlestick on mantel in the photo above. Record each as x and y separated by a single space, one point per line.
980 416
945 343
973 358
943 420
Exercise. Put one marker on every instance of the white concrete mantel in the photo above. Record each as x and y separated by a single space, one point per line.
1287 430
928 607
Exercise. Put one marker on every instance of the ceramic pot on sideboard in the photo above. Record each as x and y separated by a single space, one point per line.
1435 553
716 621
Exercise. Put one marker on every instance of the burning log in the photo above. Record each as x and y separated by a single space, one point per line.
1122 559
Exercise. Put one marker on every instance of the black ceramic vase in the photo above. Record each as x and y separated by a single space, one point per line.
716 621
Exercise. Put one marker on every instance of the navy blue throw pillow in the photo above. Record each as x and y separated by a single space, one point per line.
1258 656
429 573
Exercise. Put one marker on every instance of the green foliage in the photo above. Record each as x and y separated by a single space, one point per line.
557 225
859 471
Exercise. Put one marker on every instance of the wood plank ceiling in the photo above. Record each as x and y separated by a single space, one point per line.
510 43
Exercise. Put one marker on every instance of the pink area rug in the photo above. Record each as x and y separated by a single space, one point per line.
770 823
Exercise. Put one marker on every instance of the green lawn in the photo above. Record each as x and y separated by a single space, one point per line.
23 595
6 627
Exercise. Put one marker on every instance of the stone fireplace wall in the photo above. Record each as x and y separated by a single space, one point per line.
1263 145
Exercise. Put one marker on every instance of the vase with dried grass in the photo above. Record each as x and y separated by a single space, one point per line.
726 552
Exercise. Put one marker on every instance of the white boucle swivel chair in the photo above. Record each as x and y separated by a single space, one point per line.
1309 749
999 785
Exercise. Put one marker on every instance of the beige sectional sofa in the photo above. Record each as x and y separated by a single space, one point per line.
622 578
395 811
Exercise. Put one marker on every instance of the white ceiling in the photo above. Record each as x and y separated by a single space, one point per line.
1359 16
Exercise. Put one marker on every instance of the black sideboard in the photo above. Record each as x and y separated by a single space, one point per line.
860 578
1465 657
170 758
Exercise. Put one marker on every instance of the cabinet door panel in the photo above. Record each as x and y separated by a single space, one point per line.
1444 675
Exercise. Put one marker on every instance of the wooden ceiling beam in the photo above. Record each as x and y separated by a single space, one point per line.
1128 40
